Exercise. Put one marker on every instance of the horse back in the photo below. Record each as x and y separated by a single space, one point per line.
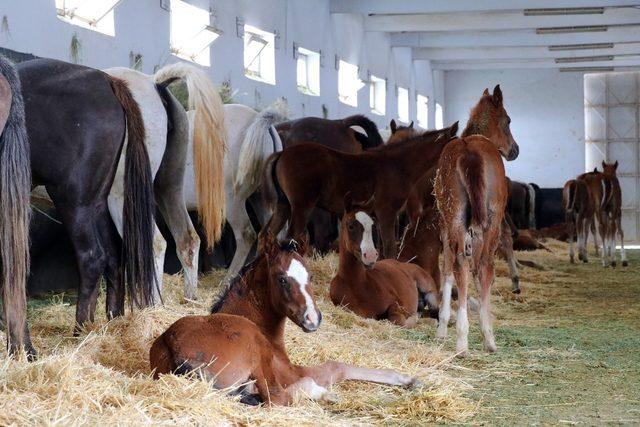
330 133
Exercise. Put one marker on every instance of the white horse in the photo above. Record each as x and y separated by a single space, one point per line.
167 138
251 138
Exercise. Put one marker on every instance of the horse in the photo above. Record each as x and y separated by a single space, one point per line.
471 196
242 340
613 214
77 122
578 212
308 175
521 204
174 149
595 217
15 184
383 290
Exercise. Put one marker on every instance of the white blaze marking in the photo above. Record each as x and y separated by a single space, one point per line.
367 236
300 274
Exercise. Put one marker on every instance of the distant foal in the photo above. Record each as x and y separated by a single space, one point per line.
595 216
471 195
613 214
387 289
243 339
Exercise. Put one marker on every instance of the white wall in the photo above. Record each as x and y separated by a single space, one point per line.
547 118
142 27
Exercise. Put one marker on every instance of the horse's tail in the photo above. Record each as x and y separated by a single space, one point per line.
139 205
271 191
373 135
15 211
569 197
208 143
260 140
471 174
532 206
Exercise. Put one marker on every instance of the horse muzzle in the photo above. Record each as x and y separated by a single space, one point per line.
513 152
309 326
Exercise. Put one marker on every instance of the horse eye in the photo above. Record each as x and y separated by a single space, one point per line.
282 280
351 227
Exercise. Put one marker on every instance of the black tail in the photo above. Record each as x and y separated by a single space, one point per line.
373 135
15 211
137 236
271 191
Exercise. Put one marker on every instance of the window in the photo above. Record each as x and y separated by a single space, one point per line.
259 55
308 71
378 95
403 104
191 34
423 111
348 83
439 118
95 15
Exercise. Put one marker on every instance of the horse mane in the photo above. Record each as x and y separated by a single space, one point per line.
478 118
238 280
417 137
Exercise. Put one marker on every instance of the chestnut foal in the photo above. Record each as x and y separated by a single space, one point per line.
387 289
308 175
471 196
243 339
613 215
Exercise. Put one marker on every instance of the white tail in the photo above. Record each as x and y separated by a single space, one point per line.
260 140
208 143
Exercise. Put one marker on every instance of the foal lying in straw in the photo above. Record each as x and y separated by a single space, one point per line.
241 344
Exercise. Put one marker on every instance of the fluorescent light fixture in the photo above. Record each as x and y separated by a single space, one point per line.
557 47
584 59
576 29
565 11
585 69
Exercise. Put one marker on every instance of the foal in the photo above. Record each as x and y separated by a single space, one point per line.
471 195
613 214
243 339
386 289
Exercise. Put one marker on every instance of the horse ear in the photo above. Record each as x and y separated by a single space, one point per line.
411 125
615 165
393 126
486 91
603 164
595 169
453 130
497 96
348 202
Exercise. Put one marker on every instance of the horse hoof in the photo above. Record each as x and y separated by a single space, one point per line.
462 354
584 260
625 264
613 264
490 348
516 291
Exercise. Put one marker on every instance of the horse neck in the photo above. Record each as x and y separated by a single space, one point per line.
478 124
251 300
349 265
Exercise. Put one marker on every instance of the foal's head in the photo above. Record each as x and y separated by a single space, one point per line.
356 233
289 283
490 119
609 169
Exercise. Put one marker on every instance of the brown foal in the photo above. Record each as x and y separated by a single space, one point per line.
241 344
387 289
613 215
309 175
471 196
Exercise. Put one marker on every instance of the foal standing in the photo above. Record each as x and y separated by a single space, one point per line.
613 214
471 195
243 339
387 289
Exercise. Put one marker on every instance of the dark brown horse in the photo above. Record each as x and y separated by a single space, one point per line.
15 184
77 121
309 175
387 289
613 214
471 195
243 339
521 204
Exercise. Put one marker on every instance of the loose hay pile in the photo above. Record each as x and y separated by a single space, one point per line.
103 376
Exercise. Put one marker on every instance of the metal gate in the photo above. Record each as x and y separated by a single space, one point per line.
611 119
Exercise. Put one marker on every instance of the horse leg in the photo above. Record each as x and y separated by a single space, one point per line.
623 254
584 238
113 274
387 227
485 278
596 246
398 316
280 216
269 388
244 234
602 228
333 372
299 219
461 273
506 242
445 305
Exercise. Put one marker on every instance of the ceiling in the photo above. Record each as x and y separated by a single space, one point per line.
570 35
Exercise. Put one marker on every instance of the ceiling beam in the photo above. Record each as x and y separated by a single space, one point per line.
495 21
529 63
521 52
421 6
482 39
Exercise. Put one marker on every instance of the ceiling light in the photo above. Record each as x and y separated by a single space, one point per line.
581 46
565 11
578 29
585 69
584 59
